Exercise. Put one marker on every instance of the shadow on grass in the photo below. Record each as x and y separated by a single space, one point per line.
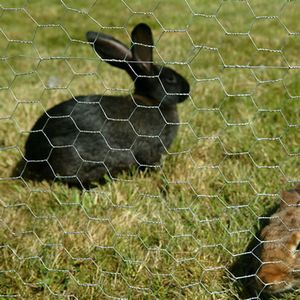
30 171
23 170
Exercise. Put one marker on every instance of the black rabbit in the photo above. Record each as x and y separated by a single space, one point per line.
86 137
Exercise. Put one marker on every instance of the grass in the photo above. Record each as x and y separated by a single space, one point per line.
176 232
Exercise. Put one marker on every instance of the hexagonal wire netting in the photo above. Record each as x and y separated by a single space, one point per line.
185 225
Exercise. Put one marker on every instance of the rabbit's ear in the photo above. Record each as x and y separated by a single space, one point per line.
142 46
291 197
111 50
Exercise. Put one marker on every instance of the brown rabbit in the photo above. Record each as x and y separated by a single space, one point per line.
279 251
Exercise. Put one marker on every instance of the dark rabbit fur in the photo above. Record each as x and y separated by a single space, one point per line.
86 137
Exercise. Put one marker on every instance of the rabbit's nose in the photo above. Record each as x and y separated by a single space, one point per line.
92 36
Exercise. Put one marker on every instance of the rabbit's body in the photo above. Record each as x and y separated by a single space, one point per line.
279 251
84 138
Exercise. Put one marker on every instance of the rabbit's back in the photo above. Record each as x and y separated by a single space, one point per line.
89 136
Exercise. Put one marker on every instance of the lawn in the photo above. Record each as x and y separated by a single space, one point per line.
181 231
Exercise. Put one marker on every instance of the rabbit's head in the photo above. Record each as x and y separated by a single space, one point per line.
279 251
160 85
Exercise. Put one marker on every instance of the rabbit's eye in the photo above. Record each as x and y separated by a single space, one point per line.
298 247
171 78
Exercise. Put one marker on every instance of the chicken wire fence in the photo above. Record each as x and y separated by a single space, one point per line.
185 226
